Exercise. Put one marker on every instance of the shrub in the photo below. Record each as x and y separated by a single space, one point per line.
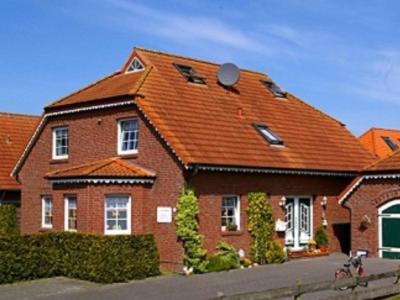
275 253
226 258
103 259
321 238
260 225
8 220
187 231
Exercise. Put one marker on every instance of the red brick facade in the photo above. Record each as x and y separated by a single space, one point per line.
365 201
93 136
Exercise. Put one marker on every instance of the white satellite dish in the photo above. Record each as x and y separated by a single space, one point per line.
228 74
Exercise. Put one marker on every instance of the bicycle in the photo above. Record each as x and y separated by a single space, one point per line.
346 272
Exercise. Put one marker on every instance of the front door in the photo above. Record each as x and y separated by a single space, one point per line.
389 227
299 221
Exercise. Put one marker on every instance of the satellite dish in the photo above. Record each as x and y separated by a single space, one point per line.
228 74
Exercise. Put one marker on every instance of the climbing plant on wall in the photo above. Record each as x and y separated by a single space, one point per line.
188 233
260 225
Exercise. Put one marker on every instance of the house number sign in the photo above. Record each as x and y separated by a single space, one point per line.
164 214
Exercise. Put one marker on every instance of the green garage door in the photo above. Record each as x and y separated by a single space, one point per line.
390 230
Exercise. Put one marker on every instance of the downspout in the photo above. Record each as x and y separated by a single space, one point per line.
346 206
2 197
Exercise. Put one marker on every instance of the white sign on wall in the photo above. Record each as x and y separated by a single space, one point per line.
164 214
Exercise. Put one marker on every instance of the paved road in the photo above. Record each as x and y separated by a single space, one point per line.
176 287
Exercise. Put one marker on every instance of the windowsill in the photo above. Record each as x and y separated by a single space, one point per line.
58 161
128 156
45 229
231 233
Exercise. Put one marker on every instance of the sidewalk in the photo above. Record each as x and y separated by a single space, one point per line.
204 286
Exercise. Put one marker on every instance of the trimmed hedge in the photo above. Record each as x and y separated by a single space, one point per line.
8 220
103 259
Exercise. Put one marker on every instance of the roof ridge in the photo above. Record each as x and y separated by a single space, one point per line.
75 167
18 114
100 164
195 59
84 88
131 165
378 161
385 129
316 109
140 82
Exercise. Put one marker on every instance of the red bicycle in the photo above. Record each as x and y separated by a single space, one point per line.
353 268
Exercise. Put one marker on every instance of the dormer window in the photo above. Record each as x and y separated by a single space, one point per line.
392 145
190 74
268 134
135 66
274 88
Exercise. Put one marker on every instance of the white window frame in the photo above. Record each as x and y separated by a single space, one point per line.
44 224
237 210
66 211
128 230
380 217
120 142
54 144
137 70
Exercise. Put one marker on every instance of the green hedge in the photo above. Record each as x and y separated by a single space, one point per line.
103 259
8 220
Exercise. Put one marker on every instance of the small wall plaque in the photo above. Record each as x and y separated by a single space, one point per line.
164 214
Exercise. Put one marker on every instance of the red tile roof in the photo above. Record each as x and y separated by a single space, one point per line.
115 85
15 131
114 167
372 141
391 163
211 125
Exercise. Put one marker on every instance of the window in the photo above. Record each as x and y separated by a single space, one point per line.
392 145
60 143
47 212
135 66
230 213
271 137
274 88
70 211
127 136
190 74
118 215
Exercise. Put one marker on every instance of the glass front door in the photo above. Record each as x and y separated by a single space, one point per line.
299 221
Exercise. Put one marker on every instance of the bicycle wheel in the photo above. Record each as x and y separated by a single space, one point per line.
342 274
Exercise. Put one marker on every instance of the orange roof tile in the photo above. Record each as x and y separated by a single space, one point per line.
115 85
208 124
15 131
391 163
114 167
372 140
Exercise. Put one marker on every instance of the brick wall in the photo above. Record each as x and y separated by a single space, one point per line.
93 136
210 187
365 201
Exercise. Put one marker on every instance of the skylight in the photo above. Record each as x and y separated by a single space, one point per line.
274 88
267 133
392 145
135 66
190 74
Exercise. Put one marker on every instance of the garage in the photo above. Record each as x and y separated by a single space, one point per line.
389 230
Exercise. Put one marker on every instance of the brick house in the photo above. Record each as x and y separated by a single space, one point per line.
15 131
374 201
112 157
381 142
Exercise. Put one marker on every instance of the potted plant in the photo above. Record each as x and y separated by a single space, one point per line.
312 245
231 227
322 239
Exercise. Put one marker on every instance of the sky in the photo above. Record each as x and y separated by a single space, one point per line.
341 56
